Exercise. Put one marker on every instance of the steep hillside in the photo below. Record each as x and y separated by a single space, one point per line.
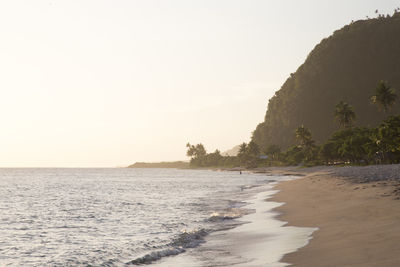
345 66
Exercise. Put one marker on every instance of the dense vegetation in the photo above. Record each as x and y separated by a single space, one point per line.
354 145
200 158
248 156
350 145
337 108
343 67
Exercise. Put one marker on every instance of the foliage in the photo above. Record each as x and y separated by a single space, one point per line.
388 140
355 145
384 96
273 151
242 150
249 154
197 154
329 152
303 135
342 69
307 144
200 158
344 114
293 156
197 151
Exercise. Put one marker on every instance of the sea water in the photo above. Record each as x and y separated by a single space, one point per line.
122 217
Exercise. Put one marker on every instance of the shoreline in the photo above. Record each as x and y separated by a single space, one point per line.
259 239
356 210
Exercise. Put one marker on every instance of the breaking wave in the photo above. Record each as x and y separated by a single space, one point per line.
185 240
230 214
216 216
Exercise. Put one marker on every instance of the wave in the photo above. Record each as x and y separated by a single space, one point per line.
156 255
244 187
216 216
192 239
185 240
230 214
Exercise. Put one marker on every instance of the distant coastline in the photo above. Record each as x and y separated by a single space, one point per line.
164 164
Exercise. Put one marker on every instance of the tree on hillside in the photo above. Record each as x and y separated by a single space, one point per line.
384 96
303 135
344 114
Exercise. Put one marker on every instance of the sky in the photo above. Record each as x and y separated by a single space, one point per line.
106 83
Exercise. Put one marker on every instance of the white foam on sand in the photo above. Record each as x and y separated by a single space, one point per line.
262 241
265 240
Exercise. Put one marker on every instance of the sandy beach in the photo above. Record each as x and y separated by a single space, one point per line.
357 211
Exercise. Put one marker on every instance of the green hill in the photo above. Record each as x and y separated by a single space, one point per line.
345 66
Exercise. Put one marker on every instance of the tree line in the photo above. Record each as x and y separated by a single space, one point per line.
348 145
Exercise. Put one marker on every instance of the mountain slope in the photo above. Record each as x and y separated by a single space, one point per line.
345 66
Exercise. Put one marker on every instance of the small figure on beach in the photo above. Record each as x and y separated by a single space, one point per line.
240 172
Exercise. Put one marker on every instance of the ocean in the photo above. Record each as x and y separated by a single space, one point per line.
154 217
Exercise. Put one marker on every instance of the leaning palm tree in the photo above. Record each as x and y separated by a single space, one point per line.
344 114
384 96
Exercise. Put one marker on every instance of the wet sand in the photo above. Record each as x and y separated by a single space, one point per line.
261 240
358 219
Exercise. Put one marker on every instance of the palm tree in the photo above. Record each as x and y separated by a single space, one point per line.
195 151
253 149
242 149
384 97
306 143
344 114
303 135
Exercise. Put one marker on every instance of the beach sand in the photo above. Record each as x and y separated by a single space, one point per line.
359 223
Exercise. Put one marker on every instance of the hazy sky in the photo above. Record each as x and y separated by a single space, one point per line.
96 83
